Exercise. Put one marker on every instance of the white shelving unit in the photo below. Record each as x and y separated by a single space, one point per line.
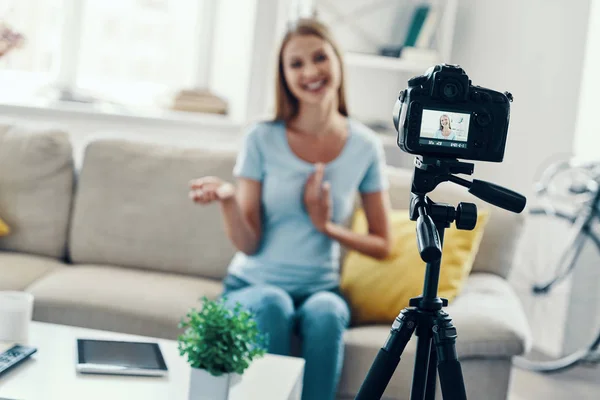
373 61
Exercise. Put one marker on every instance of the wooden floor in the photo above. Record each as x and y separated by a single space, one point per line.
579 383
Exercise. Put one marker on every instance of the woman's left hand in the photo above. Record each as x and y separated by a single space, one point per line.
317 199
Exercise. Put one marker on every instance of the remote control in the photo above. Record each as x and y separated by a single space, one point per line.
14 356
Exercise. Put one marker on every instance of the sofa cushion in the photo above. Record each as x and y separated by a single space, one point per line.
498 245
132 209
36 188
119 299
18 271
4 229
377 289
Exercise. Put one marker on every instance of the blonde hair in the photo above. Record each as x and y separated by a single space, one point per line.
287 106
449 122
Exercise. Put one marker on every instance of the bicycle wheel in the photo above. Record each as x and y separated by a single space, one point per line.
554 244
567 183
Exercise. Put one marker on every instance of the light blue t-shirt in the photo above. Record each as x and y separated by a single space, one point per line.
451 136
293 254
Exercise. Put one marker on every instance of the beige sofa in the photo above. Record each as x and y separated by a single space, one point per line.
117 245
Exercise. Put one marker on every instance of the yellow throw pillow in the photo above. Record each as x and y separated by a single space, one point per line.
379 289
4 229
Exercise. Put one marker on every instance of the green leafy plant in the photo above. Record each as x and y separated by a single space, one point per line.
219 339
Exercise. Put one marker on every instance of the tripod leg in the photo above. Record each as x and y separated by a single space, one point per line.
388 357
444 339
431 375
421 370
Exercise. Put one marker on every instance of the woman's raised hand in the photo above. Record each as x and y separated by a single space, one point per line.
317 199
208 189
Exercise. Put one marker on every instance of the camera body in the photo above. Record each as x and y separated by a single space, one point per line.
440 114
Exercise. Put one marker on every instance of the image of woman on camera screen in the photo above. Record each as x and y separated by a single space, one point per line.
445 130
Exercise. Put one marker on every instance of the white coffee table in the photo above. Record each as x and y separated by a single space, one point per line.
50 373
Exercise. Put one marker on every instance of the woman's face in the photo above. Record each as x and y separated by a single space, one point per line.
311 69
444 121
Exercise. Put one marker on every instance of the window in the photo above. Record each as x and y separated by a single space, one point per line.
127 51
138 46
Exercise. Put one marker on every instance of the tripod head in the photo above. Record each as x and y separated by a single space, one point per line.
430 172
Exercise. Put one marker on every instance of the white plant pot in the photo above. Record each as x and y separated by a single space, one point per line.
204 386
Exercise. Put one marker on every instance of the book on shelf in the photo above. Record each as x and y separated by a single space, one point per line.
419 38
429 28
414 29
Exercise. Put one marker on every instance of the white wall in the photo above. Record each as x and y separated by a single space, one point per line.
535 50
587 140
583 317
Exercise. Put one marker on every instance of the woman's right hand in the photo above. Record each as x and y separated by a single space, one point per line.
208 189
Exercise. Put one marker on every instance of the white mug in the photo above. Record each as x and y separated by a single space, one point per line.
16 309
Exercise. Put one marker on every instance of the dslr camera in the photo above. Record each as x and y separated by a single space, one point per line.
441 114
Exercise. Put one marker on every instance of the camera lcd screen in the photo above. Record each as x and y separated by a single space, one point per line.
444 128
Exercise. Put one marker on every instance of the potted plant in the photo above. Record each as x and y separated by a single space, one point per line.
219 343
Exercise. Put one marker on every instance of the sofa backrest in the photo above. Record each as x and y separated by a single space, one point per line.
501 233
132 209
36 188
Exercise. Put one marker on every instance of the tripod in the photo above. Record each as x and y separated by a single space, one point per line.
424 317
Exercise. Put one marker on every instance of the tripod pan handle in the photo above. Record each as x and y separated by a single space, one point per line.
498 196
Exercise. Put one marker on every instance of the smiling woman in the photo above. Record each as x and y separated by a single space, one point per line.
297 178
310 66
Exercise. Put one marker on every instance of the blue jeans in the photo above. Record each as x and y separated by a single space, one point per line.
320 319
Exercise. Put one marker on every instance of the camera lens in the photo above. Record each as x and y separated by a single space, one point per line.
450 90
